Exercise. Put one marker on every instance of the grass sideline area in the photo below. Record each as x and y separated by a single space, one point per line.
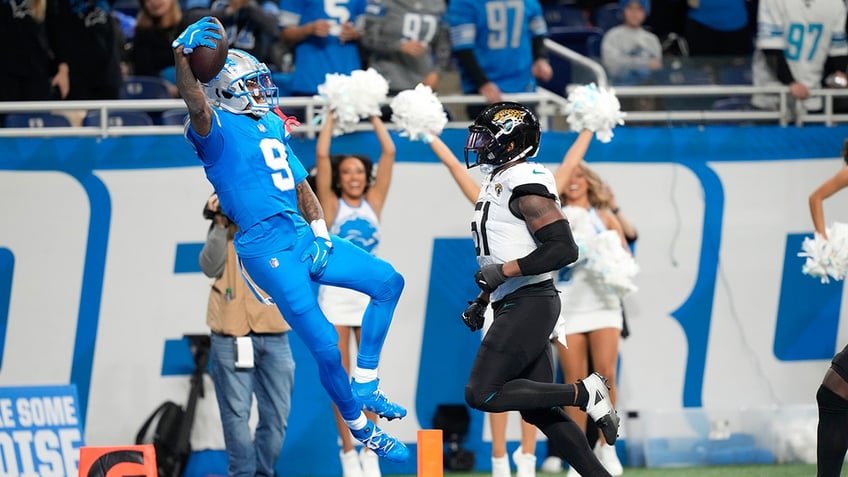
782 470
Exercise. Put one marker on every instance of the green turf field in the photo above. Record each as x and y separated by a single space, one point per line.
785 470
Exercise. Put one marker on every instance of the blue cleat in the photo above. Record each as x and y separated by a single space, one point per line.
381 443
373 399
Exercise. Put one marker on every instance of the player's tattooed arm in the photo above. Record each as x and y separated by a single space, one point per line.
308 203
198 109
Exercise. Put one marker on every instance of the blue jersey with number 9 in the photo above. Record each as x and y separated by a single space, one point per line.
254 171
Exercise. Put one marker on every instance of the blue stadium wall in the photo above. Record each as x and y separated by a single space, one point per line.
99 279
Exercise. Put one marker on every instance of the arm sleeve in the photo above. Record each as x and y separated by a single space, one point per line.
776 61
556 249
213 255
540 52
468 63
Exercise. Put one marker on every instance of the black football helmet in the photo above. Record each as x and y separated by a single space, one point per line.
503 132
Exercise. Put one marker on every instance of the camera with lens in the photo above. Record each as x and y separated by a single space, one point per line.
210 214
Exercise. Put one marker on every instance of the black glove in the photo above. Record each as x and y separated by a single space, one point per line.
473 315
490 277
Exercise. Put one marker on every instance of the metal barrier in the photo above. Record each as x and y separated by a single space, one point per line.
549 105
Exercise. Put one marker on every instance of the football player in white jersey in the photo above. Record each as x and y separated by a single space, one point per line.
800 43
521 236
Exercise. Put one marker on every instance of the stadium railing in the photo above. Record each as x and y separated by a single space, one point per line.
550 106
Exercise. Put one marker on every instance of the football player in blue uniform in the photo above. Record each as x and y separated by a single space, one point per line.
283 243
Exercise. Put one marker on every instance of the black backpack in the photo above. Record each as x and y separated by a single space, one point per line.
169 427
163 429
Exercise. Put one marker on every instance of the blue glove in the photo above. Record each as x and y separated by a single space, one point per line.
319 253
198 34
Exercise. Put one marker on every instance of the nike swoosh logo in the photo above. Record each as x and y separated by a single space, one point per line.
537 172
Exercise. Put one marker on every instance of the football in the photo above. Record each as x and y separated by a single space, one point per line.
207 62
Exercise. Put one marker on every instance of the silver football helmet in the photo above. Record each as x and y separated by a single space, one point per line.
243 86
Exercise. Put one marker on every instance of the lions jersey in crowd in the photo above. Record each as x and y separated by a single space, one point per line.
314 57
808 32
254 171
499 236
388 23
500 33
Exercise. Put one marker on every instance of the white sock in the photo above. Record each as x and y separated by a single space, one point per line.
357 423
363 375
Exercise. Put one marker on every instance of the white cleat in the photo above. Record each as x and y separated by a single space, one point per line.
370 463
606 454
525 464
500 467
350 464
551 465
600 407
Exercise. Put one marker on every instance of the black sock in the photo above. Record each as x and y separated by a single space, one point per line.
832 432
582 395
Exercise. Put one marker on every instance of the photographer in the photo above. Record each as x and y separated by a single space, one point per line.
250 355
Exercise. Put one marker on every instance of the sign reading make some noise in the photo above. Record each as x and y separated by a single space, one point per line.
40 431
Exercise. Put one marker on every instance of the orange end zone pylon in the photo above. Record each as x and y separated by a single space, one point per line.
430 453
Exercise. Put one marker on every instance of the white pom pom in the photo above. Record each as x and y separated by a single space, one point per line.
602 253
617 268
827 259
595 109
352 97
418 113
367 90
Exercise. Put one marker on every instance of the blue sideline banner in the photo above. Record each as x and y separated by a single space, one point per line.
40 431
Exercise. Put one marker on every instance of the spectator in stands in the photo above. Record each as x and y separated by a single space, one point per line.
28 70
401 39
498 52
718 27
325 37
89 38
629 52
158 23
250 26
801 45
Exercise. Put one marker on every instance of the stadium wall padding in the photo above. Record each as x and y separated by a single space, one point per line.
99 278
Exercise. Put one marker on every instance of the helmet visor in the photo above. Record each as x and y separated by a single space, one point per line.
477 138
